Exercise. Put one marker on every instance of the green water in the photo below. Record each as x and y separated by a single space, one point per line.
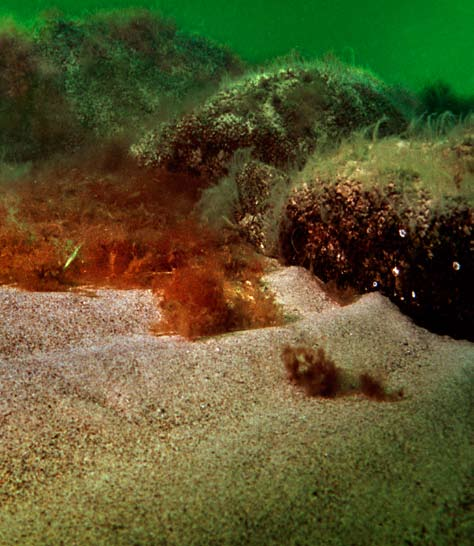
411 42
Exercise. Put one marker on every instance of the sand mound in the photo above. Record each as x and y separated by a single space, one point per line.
110 435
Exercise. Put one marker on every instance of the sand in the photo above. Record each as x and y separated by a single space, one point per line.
112 436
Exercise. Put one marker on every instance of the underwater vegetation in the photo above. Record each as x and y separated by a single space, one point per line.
439 97
82 88
217 292
135 155
418 255
282 114
313 370
71 80
131 228
318 375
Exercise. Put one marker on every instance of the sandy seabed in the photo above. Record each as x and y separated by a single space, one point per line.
112 436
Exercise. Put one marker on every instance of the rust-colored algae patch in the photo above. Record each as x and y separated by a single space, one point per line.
83 223
216 292
317 373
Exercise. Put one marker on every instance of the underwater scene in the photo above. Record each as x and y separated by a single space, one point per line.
236 272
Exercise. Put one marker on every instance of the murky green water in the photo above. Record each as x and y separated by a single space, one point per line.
404 41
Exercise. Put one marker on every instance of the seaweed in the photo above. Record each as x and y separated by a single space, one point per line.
374 388
318 375
215 291
86 222
313 370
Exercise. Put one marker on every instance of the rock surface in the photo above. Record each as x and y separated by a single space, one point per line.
283 115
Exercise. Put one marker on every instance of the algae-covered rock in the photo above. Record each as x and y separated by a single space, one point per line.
419 255
71 80
283 114
262 190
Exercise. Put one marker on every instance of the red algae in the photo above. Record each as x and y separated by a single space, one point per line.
83 223
215 291
317 373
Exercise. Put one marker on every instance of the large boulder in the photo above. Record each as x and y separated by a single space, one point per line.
378 239
74 80
282 114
